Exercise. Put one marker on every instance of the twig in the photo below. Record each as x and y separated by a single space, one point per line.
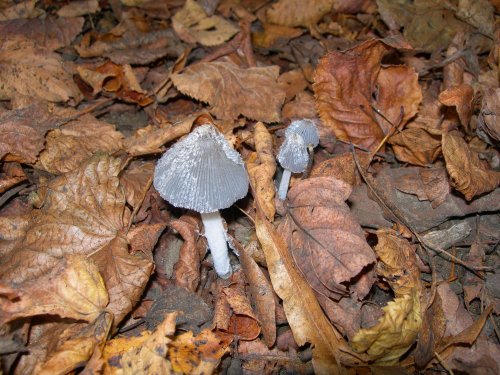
442 363
10 193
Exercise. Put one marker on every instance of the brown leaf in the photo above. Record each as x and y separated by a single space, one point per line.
303 106
326 242
467 173
66 148
73 289
193 25
117 79
298 13
261 166
342 167
79 8
272 34
30 71
348 83
303 312
489 124
252 92
293 82
397 330
136 180
144 237
461 97
49 32
416 145
25 9
11 174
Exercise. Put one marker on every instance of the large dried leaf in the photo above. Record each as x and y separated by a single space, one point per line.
232 91
347 84
297 12
304 314
50 33
193 25
468 174
261 167
30 71
326 242
73 289
67 147
416 145
397 330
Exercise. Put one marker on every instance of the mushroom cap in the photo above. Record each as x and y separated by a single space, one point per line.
201 172
293 153
306 129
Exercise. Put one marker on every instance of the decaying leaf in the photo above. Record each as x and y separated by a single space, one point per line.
468 174
326 242
350 85
397 330
31 71
261 167
73 289
252 92
193 25
298 13
67 147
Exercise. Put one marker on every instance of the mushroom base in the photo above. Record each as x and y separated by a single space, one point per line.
216 237
285 181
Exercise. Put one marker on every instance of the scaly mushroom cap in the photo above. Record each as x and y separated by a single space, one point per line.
306 129
293 154
201 172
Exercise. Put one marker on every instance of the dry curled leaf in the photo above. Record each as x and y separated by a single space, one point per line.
298 13
193 25
136 180
261 167
73 289
253 92
468 174
69 146
489 124
350 85
31 71
326 242
417 145
461 97
397 330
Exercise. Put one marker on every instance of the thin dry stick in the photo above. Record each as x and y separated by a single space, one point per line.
442 363
400 217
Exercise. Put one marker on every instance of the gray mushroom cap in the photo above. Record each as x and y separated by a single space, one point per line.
201 172
306 129
293 154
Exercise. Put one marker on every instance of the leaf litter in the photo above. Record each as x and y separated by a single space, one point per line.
381 260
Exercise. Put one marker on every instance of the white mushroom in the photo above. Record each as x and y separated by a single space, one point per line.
293 157
202 172
306 129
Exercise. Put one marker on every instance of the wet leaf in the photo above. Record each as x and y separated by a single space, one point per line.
252 92
31 71
466 171
193 25
325 240
73 289
261 167
298 13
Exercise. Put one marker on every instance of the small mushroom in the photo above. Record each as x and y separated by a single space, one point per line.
203 173
306 129
293 157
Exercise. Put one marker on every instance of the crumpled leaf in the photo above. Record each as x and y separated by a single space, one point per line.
11 174
141 354
461 97
397 330
426 184
326 242
298 13
347 84
261 166
117 79
193 25
489 124
304 314
136 180
252 92
49 32
69 146
466 171
73 289
417 145
31 71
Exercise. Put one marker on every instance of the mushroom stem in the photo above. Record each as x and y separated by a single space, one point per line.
216 237
285 180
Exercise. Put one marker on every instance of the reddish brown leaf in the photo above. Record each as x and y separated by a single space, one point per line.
136 180
298 13
460 97
272 34
253 92
10 175
489 125
417 145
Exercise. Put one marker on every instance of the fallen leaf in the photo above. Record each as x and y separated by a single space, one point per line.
478 13
293 82
73 289
488 124
272 34
49 32
31 71
466 171
426 184
261 166
193 25
252 92
136 180
295 13
143 238
326 242
397 330
461 97
347 84
11 174
25 9
79 8
302 106
67 147
342 167
416 145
